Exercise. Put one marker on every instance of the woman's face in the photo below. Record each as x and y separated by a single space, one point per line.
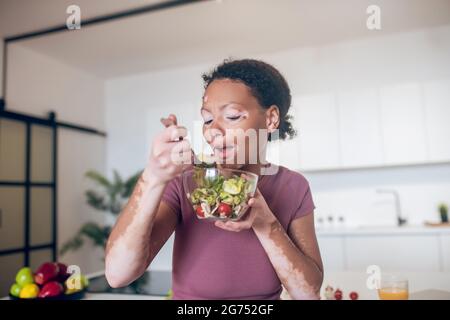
234 123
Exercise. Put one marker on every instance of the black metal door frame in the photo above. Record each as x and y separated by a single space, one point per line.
27 248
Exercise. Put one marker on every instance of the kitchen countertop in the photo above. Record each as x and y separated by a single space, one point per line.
380 230
422 285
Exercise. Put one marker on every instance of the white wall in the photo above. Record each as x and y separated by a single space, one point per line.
417 56
38 84
135 104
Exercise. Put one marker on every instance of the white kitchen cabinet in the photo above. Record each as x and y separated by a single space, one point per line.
285 153
333 253
409 249
400 124
403 124
437 116
359 128
394 252
445 249
318 134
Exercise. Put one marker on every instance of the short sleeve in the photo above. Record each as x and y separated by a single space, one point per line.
171 196
306 205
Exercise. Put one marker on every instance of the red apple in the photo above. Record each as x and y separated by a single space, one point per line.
46 272
62 272
51 289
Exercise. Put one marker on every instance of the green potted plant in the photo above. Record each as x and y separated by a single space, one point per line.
110 199
443 212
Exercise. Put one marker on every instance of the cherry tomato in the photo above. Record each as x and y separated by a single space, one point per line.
199 211
224 209
338 294
354 295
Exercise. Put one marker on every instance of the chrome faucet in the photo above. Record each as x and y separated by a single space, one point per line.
400 221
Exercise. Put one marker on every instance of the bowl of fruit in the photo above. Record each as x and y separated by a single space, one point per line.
51 281
219 193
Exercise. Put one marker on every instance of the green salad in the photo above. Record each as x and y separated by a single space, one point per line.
219 196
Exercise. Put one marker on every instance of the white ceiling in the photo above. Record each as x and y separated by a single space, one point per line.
205 31
20 16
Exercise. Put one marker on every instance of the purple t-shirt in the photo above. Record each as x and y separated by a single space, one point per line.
211 263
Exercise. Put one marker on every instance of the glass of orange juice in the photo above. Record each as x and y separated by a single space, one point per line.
393 287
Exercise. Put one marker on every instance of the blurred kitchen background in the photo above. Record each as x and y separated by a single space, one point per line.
372 109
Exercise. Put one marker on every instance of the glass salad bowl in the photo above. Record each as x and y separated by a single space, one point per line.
219 194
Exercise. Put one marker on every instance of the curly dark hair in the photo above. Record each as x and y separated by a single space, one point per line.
266 84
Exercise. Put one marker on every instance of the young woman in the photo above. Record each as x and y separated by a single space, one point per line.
274 244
